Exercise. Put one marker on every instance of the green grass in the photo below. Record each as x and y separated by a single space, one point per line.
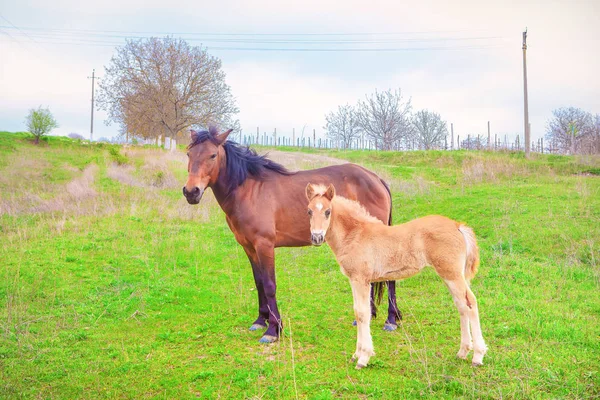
132 293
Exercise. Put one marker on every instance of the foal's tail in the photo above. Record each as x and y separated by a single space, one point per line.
472 263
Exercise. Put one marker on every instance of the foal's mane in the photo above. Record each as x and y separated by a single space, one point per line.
241 160
350 207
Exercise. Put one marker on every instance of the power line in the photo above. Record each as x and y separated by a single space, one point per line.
104 38
252 34
16 27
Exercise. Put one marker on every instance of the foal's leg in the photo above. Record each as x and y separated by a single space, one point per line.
364 341
479 346
266 259
263 310
458 289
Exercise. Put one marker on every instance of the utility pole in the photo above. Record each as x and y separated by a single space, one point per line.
526 105
93 77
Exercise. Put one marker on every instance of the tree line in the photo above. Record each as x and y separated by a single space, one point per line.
387 120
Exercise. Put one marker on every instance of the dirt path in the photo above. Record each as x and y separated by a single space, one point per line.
296 160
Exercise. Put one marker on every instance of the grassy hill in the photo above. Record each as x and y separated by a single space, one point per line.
112 286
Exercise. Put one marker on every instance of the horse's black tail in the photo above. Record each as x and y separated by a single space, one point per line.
378 287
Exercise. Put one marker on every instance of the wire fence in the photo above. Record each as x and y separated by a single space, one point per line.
490 142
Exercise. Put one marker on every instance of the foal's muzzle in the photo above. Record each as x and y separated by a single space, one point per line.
317 238
193 196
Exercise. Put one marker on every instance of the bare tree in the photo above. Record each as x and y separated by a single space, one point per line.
342 126
40 122
163 86
430 130
384 116
568 129
589 142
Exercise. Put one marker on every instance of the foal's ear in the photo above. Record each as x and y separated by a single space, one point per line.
310 191
330 192
193 135
222 137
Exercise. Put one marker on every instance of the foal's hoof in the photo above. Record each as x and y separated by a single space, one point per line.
354 323
477 364
389 327
257 327
360 366
268 339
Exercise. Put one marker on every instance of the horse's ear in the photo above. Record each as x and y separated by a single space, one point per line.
330 192
310 191
222 137
193 135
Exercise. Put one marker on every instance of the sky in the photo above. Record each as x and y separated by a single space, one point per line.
461 59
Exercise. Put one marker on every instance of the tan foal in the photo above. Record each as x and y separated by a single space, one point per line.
369 251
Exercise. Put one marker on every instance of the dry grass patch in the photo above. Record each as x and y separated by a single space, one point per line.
72 197
476 170
417 186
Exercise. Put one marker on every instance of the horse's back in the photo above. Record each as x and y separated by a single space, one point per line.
355 183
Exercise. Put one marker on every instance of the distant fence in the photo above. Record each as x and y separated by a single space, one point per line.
468 142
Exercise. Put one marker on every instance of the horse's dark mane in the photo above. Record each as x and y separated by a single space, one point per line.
241 160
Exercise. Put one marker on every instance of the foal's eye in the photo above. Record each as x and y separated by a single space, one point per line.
327 213
213 156
310 212
187 154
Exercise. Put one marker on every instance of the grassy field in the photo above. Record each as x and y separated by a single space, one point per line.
112 286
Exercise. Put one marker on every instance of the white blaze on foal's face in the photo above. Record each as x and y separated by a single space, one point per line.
319 210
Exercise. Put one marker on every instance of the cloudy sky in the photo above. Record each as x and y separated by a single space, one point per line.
461 59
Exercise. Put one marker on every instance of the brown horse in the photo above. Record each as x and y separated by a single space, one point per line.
265 207
369 251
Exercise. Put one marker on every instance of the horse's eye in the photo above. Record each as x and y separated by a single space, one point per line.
327 213
187 154
310 212
213 156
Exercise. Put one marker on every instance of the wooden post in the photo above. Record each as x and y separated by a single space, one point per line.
458 142
452 137
314 138
489 137
257 133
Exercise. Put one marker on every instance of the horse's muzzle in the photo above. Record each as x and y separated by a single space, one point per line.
193 196
317 239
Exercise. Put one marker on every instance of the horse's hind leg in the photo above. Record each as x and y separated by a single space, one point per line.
394 314
364 341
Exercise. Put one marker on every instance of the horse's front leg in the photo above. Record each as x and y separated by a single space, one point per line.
266 260
362 313
263 310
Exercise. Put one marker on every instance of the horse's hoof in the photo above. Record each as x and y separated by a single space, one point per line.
354 323
477 364
257 327
360 366
268 339
389 327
